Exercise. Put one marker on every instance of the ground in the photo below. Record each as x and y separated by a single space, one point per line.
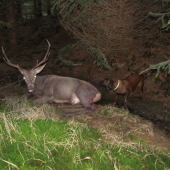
153 107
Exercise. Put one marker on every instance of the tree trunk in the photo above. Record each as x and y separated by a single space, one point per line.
11 20
35 9
48 7
18 10
39 10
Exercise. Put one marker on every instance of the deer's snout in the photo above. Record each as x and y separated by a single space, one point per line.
30 87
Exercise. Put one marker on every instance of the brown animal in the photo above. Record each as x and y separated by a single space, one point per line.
56 88
125 87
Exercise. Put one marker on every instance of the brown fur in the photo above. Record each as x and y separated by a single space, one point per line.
126 86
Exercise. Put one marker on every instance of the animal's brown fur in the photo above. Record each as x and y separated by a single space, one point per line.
126 86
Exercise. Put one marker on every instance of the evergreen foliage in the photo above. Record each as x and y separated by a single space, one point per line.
163 65
66 10
101 60
67 7
5 25
61 56
163 17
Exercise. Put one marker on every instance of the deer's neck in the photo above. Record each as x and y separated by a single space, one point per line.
40 82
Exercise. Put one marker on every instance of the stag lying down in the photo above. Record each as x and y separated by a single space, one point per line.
53 88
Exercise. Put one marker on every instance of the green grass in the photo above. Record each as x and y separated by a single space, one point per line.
45 144
105 113
31 142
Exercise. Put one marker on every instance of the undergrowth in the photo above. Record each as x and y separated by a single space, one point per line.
45 143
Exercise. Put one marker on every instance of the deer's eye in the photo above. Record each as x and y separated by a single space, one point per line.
35 76
24 77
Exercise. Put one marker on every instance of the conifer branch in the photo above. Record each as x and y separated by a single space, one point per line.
5 25
163 65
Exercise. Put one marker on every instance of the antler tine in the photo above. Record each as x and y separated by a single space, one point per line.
45 57
7 60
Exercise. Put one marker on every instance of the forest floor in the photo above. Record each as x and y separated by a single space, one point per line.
150 109
153 107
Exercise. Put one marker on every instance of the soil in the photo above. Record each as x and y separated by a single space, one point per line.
153 107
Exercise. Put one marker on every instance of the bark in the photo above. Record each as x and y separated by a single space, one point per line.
18 10
35 9
11 20
48 7
39 9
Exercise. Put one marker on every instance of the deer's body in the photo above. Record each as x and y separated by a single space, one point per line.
56 88
65 90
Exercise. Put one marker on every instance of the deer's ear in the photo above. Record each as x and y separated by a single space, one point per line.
39 69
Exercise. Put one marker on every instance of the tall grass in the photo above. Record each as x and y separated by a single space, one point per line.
45 143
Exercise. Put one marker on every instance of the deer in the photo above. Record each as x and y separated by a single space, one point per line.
57 89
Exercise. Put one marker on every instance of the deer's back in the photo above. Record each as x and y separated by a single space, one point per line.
62 87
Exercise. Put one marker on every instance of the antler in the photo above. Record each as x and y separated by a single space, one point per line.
38 64
45 57
8 61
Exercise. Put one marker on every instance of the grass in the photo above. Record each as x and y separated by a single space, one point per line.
34 137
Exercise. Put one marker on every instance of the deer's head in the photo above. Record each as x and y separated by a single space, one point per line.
30 75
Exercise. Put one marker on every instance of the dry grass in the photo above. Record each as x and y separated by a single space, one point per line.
20 108
117 126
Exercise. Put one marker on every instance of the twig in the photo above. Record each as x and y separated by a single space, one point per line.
11 84
158 14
